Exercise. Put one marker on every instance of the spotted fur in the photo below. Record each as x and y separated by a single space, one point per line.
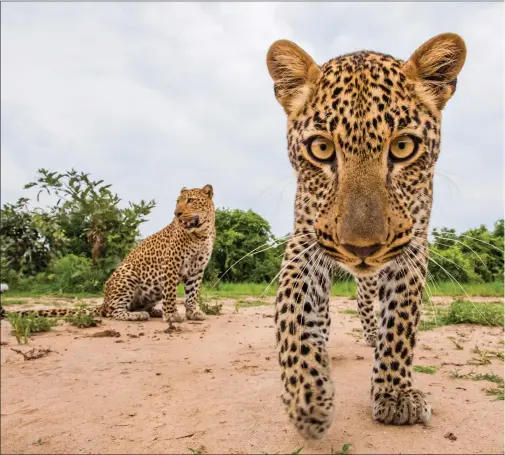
367 295
360 208
151 272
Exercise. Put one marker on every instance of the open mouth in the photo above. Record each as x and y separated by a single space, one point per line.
194 222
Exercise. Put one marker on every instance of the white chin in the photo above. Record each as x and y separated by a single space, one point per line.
360 271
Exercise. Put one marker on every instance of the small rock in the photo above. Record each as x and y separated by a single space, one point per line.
359 357
450 435
105 333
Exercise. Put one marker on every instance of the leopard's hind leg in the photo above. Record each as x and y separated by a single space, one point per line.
155 312
121 298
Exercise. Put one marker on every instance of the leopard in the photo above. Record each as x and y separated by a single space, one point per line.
363 138
151 272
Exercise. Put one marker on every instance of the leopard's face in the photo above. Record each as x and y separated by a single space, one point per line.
363 139
195 210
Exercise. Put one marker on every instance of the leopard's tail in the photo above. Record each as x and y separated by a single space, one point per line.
56 312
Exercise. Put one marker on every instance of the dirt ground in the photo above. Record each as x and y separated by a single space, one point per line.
214 387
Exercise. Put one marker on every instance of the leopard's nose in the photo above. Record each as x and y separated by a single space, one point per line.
362 251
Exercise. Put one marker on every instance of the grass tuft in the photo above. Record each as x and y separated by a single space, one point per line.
489 377
210 309
355 312
82 320
426 369
465 312
24 326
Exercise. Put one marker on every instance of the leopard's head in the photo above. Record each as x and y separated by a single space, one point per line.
195 209
363 139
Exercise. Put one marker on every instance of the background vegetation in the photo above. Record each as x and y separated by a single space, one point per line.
73 243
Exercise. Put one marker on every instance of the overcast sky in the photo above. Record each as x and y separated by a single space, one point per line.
156 96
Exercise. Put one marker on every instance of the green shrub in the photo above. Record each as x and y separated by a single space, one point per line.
462 311
82 320
24 326
209 309
75 273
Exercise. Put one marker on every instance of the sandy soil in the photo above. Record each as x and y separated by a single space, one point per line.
214 387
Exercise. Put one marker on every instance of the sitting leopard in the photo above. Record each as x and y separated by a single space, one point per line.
363 134
151 272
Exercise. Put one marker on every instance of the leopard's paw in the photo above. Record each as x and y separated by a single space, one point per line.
196 315
371 338
403 407
173 317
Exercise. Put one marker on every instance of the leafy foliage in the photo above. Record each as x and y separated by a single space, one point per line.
76 273
239 233
82 320
89 215
475 255
29 238
24 326
73 244
209 308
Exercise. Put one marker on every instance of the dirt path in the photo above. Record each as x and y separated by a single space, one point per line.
215 387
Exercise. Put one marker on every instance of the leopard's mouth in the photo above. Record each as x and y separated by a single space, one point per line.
193 222
362 267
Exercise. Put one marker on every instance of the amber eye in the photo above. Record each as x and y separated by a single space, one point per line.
189 200
403 147
321 149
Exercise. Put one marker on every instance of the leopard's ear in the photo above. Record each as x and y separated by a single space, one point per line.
435 67
183 189
208 190
294 74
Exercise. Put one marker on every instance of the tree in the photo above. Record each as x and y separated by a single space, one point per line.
86 221
238 234
90 217
29 239
474 255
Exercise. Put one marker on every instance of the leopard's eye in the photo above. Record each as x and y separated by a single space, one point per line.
321 149
189 200
403 147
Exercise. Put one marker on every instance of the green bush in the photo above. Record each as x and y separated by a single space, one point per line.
462 311
75 273
24 326
210 309
82 320
239 233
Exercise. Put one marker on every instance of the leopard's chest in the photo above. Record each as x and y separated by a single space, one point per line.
195 260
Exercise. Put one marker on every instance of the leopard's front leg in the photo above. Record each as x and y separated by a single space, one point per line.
192 287
171 279
303 323
367 293
395 400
